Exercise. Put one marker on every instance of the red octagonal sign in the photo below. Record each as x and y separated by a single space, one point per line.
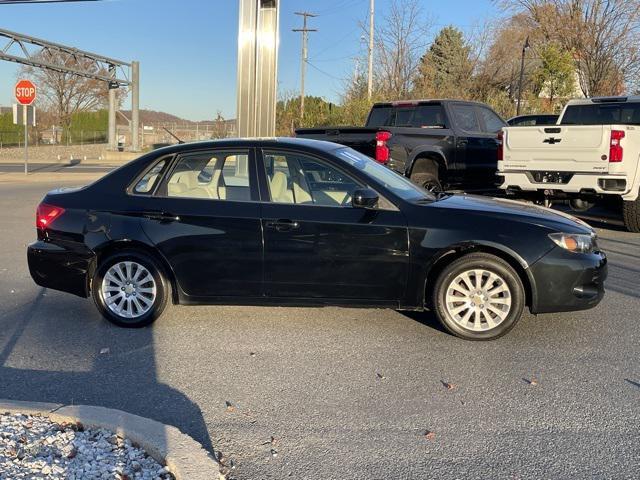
25 92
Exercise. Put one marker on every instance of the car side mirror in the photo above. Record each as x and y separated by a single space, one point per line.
365 198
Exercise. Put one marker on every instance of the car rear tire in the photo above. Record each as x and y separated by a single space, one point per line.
478 297
428 178
631 214
130 289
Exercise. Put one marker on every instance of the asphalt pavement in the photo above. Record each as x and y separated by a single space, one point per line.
338 393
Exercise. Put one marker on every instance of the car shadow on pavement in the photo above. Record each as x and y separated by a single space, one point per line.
64 352
426 318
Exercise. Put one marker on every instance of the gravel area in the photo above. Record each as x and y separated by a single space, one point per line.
34 447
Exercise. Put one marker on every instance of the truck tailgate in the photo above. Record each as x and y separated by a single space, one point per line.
570 148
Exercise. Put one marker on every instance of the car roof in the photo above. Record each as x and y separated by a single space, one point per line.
598 100
422 101
259 142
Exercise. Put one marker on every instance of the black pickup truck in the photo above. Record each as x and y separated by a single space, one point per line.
439 144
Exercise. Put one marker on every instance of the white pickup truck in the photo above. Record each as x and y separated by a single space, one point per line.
593 152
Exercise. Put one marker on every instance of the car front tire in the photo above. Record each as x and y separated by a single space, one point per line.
130 289
478 297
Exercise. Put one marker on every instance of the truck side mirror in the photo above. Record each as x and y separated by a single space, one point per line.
365 198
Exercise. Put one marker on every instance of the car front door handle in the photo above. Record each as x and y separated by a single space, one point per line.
283 225
164 217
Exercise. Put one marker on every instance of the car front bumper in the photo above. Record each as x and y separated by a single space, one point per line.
566 281
65 268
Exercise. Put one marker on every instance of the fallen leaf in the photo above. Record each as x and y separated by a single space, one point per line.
448 386
429 435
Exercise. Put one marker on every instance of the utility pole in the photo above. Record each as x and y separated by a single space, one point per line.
525 47
370 79
303 62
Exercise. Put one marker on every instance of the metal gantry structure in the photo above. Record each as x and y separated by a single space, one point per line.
35 52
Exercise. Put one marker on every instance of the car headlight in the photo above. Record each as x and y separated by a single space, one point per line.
576 243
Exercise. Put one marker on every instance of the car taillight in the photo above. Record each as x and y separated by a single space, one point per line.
500 151
46 214
615 149
382 151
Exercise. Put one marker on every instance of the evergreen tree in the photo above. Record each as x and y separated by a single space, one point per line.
446 69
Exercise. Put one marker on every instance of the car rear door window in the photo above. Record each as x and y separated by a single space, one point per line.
211 175
300 179
465 117
492 122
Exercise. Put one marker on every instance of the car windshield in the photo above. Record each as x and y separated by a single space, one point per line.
399 185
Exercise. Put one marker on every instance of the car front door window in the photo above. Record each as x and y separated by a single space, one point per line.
303 180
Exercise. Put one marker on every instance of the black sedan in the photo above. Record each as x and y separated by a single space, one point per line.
303 222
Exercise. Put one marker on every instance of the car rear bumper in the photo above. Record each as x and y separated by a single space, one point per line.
579 183
568 281
63 268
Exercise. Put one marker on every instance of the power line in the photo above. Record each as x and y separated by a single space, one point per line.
304 54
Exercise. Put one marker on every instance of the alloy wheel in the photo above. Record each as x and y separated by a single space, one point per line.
478 300
128 289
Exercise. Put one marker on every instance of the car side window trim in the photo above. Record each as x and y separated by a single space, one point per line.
162 189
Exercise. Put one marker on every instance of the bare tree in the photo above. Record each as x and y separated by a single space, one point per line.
604 36
401 39
63 94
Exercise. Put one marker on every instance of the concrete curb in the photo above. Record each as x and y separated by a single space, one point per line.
185 458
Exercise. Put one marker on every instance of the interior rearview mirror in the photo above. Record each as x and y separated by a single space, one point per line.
365 198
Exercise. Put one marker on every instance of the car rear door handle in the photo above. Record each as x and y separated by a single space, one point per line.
283 225
164 217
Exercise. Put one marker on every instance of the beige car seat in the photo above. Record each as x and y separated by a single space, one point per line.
278 187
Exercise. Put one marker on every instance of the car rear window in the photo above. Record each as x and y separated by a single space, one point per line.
602 114
415 116
380 117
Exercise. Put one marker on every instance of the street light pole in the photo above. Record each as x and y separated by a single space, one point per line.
371 31
524 50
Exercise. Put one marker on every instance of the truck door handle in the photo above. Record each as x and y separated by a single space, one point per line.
163 217
283 225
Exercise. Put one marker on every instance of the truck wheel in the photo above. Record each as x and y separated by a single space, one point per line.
428 177
631 213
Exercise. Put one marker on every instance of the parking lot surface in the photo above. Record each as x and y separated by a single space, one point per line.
338 393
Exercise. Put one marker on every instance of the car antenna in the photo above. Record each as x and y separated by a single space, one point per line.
171 133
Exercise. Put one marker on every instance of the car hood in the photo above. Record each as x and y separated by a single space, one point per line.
512 209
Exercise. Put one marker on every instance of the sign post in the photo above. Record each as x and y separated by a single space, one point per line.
25 92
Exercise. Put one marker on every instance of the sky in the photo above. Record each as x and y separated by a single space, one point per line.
188 48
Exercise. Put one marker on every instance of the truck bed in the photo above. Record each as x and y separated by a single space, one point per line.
362 139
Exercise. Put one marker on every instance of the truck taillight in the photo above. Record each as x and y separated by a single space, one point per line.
382 150
615 149
46 214
500 151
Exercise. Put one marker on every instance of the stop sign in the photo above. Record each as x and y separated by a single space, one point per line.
25 92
